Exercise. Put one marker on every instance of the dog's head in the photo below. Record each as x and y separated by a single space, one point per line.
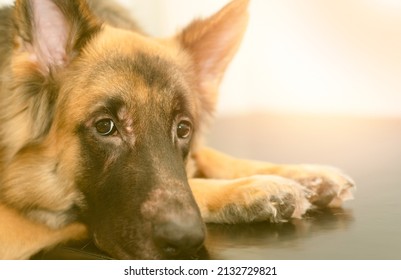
122 114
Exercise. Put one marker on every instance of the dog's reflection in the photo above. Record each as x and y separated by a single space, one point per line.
268 235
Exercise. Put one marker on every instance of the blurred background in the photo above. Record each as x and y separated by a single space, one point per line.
310 56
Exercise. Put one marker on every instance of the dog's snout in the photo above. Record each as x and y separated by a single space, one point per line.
179 236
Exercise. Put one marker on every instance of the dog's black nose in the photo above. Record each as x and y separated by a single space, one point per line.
180 236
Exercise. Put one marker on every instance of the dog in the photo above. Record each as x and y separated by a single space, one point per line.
101 136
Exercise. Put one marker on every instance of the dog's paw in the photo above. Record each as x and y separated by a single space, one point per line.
328 186
258 198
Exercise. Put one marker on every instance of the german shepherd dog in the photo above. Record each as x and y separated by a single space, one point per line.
100 129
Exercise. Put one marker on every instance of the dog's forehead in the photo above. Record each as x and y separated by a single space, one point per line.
127 66
128 41
139 70
136 58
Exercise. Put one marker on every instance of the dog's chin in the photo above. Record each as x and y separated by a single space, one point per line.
142 251
124 254
120 252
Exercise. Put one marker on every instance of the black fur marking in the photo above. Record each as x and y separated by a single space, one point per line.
114 105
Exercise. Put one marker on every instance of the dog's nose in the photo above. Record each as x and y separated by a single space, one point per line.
179 236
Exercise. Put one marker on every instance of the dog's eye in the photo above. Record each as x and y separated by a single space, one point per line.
105 127
184 129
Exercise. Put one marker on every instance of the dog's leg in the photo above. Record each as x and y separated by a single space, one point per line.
329 187
250 199
21 238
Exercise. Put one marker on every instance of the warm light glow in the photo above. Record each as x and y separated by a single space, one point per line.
341 57
388 3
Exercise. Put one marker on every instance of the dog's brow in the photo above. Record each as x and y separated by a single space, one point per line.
114 105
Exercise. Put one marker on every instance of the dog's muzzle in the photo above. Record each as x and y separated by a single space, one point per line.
182 235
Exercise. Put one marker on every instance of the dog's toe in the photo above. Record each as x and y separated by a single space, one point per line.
329 187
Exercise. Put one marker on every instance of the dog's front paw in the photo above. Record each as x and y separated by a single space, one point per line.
258 198
329 187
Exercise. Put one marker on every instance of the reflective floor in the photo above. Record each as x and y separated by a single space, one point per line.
369 227
369 150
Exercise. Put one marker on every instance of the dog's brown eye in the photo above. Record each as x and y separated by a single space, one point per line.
184 129
105 127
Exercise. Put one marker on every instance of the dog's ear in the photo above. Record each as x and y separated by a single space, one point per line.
211 44
52 32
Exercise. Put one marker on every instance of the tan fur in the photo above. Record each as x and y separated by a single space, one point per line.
21 238
40 155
